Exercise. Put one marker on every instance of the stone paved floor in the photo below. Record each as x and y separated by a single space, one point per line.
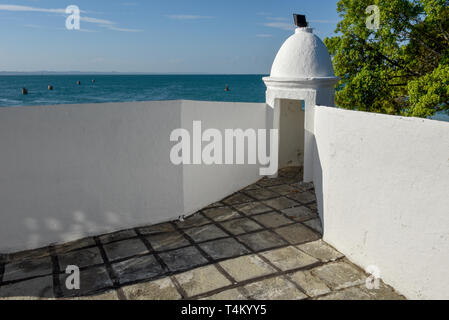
260 243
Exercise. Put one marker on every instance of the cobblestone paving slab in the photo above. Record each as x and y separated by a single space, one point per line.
116 236
272 220
312 285
106 296
283 189
183 259
27 269
247 267
289 258
253 208
140 268
274 289
92 280
315 224
162 289
159 228
262 240
205 233
299 213
223 249
27 255
261 243
29 290
262 194
232 294
202 280
167 241
124 249
320 250
340 275
241 226
303 197
221 214
81 258
237 199
297 233
281 203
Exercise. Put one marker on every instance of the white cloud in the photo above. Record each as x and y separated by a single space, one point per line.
187 17
110 25
12 7
280 25
97 21
122 29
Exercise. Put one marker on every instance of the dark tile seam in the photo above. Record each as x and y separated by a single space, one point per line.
4 283
57 291
236 238
178 287
274 266
286 274
207 256
110 271
243 283
272 230
2 271
245 293
165 269
287 225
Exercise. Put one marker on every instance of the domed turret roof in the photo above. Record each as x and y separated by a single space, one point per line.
302 56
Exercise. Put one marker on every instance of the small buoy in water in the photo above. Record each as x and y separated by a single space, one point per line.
93 81
50 87
227 88
24 91
78 83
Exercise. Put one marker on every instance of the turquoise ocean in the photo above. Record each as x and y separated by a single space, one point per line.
125 88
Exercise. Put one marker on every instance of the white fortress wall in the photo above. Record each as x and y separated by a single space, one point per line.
70 171
384 188
205 184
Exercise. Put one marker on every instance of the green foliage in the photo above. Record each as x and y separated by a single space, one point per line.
401 67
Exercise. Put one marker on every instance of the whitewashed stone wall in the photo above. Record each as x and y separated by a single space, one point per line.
70 171
383 187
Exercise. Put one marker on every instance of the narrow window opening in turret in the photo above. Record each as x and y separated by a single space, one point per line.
291 132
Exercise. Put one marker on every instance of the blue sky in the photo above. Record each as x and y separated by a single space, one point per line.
154 36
